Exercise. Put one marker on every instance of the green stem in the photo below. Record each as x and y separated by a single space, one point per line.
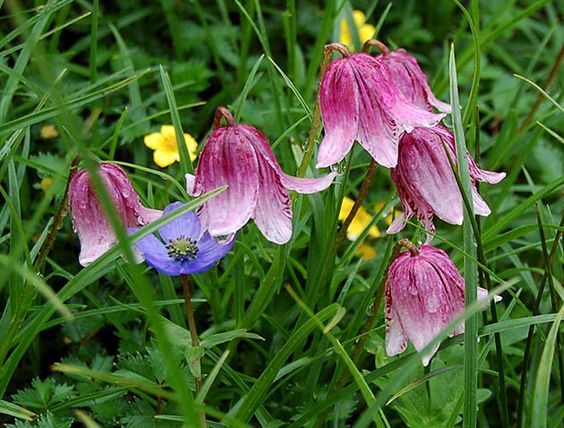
195 340
529 342
359 200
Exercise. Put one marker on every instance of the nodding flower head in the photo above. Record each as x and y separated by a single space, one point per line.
89 220
240 156
426 183
424 293
361 101
405 72
183 246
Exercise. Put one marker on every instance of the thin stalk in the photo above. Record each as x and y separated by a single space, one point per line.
529 342
540 98
359 200
553 297
195 340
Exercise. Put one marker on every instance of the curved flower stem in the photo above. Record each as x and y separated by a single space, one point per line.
222 113
357 204
316 115
57 223
377 44
195 340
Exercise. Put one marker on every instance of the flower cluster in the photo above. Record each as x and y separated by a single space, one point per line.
385 103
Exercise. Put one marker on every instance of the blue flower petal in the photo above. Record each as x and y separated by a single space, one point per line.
187 225
209 252
156 256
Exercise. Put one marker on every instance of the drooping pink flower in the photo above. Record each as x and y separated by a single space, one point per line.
426 183
360 100
89 221
411 80
240 156
424 293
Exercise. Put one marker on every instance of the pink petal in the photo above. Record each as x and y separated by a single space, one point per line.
94 232
425 163
227 158
307 185
412 81
338 100
397 225
396 340
377 131
191 185
273 211
480 206
265 155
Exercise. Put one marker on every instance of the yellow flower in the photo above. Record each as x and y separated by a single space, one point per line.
165 146
359 222
366 252
48 132
365 31
46 183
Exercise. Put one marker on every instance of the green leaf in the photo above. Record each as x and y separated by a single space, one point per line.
219 338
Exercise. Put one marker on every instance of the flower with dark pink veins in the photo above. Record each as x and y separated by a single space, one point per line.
411 80
89 221
184 248
361 101
426 183
424 293
240 156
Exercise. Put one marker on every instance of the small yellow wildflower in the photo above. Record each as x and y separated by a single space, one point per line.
365 31
366 252
165 146
359 222
48 132
46 183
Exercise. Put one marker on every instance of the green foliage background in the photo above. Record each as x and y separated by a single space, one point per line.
99 71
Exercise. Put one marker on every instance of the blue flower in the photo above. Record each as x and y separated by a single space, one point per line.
185 248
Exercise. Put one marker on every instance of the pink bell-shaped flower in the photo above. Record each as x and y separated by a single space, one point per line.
411 80
240 156
89 221
424 293
360 100
426 183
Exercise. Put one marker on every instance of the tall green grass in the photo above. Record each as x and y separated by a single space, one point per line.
108 344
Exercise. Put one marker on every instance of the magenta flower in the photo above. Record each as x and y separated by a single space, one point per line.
185 247
426 183
240 156
424 293
411 80
360 100
89 221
